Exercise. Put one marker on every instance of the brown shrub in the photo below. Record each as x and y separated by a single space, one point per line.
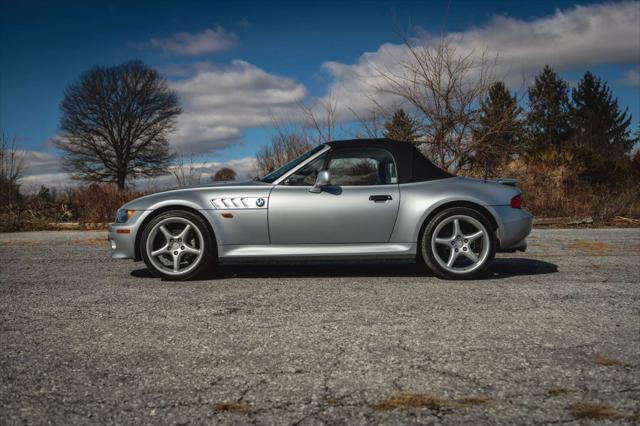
606 362
86 205
97 203
552 188
408 400
233 407
594 411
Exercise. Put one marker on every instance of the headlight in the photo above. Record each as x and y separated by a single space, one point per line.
123 215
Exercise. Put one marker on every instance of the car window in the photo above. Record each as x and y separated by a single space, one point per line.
276 174
358 167
307 175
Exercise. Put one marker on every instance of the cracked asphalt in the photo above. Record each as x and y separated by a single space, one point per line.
85 339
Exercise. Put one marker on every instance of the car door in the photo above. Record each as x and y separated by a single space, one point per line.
359 206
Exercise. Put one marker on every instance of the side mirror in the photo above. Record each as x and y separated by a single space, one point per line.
323 179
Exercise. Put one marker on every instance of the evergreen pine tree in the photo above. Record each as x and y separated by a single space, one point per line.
597 124
499 133
401 127
547 119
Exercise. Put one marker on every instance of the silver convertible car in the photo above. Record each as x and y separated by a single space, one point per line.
353 199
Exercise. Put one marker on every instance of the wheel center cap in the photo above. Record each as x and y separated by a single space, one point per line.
175 246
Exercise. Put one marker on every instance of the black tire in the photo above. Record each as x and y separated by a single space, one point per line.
428 257
206 261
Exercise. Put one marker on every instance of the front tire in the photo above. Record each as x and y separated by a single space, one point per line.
176 245
458 243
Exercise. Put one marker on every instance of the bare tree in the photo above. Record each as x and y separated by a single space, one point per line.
321 120
294 137
284 147
186 170
115 124
444 87
372 123
225 174
12 164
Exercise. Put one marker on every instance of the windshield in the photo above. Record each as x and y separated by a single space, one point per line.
277 173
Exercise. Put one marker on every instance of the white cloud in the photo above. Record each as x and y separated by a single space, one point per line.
632 78
220 101
201 172
32 183
210 40
38 162
579 37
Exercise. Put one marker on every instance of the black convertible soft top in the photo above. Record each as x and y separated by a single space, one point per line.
412 165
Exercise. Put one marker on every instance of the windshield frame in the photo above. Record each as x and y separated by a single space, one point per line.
282 172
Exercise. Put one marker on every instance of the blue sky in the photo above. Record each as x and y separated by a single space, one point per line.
284 51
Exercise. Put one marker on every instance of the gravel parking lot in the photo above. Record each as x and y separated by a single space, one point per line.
550 336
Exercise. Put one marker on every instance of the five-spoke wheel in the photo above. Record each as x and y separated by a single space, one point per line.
458 243
176 245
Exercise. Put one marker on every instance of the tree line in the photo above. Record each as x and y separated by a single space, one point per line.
584 124
116 123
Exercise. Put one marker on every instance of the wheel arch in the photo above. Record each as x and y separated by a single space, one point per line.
156 212
450 204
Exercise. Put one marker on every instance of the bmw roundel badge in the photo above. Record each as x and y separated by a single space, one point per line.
260 202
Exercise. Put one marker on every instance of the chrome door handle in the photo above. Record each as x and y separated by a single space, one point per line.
380 198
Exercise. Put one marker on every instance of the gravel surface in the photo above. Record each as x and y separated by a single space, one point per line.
550 335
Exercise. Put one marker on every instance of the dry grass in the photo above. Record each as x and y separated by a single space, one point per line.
233 407
94 241
594 411
590 246
551 189
408 400
558 391
20 243
84 206
606 362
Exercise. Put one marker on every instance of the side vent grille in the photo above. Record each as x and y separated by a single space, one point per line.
239 203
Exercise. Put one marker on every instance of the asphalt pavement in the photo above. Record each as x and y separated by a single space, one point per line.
548 336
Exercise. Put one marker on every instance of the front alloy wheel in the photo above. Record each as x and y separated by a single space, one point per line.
176 245
458 243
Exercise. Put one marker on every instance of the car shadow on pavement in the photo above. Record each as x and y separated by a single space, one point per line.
500 268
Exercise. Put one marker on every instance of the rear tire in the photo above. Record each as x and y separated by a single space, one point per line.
177 245
458 243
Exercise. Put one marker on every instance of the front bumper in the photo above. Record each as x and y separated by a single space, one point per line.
513 227
123 239
122 236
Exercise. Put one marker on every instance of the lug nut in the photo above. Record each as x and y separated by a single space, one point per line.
464 249
175 252
453 243
179 240
181 247
456 250
466 241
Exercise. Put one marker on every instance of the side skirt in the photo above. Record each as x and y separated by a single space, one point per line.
317 251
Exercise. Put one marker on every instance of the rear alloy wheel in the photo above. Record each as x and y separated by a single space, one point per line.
176 245
458 243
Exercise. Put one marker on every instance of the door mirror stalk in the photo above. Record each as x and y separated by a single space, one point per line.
323 179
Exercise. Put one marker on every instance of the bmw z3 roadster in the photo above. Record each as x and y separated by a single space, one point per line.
354 199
